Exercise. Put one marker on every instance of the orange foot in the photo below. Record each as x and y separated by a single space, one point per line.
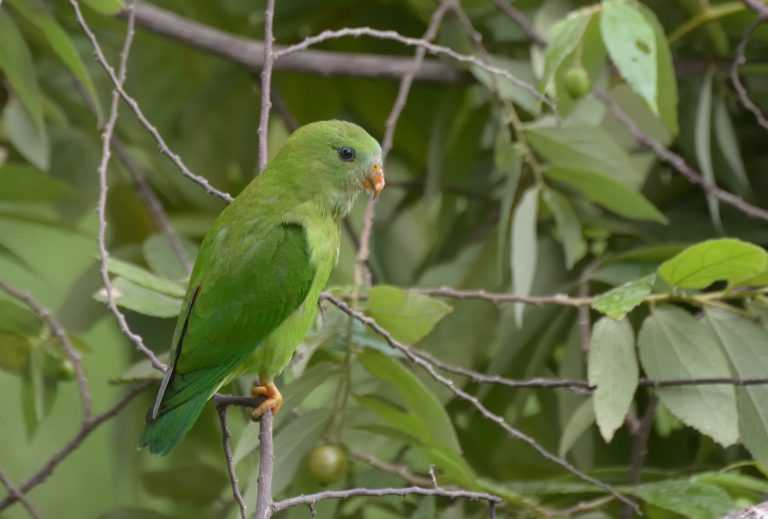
274 399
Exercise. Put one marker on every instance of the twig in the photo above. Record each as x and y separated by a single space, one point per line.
61 335
134 106
640 448
400 471
741 59
85 430
264 504
498 298
583 506
363 250
12 490
484 411
677 161
153 204
312 499
225 437
758 7
266 83
417 42
101 206
522 22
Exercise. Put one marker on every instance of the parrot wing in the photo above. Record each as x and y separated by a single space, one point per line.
234 305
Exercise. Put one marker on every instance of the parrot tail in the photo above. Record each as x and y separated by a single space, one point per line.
163 433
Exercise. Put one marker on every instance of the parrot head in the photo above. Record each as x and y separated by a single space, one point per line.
338 160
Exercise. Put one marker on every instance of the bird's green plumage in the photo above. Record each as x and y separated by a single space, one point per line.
253 291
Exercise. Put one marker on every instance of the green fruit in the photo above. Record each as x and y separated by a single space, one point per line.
576 82
327 463
67 370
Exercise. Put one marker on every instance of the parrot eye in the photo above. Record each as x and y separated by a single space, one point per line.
346 153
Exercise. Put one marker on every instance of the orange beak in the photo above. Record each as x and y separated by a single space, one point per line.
374 182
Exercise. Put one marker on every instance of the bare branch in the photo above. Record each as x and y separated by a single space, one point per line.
225 437
677 161
12 490
101 206
62 337
758 7
417 42
266 83
640 448
522 22
400 471
741 59
312 499
427 366
85 430
500 298
264 503
134 106
363 250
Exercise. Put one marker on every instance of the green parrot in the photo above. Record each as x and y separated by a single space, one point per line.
253 292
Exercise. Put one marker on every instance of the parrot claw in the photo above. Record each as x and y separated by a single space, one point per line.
274 400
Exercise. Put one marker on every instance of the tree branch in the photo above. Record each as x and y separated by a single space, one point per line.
13 491
266 83
522 22
400 471
427 366
225 437
264 503
741 59
85 430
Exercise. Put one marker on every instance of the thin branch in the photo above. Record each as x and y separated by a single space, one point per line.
62 337
264 504
400 471
101 206
363 249
266 83
522 22
758 7
501 298
640 438
677 161
134 106
417 42
225 437
741 59
85 430
13 491
313 499
427 366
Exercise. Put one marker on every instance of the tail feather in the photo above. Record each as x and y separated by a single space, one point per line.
163 433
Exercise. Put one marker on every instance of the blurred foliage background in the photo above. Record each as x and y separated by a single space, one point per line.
488 188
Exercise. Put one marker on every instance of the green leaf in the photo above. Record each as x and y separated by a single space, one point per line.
524 248
612 369
162 258
198 484
743 342
609 193
399 419
144 278
585 148
25 184
107 7
673 345
563 39
139 371
568 226
408 315
725 259
702 140
666 79
631 43
16 62
507 90
131 296
15 350
728 144
579 422
507 160
419 400
692 500
60 43
618 302
29 139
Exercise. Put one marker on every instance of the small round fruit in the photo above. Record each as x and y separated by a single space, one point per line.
67 370
327 463
576 82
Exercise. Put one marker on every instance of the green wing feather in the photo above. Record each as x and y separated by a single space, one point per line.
251 282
